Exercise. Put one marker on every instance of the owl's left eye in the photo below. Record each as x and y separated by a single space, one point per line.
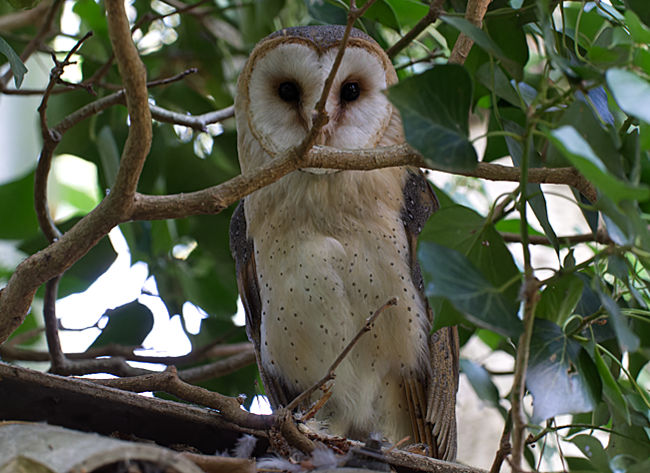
289 91
350 91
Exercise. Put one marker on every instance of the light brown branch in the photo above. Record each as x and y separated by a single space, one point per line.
331 371
474 13
16 297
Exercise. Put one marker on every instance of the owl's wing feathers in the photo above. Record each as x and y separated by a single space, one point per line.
243 250
431 395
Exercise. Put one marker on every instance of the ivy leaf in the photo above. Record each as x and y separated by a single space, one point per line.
17 66
452 275
627 339
480 380
435 110
127 325
631 93
582 156
561 376
592 448
559 299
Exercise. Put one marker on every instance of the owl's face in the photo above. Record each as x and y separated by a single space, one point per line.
284 77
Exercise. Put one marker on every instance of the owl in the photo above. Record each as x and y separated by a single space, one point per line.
320 250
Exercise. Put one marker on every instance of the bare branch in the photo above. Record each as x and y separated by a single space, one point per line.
474 13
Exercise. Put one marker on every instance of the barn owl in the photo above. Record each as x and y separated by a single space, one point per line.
318 251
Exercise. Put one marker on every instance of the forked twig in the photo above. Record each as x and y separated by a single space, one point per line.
330 372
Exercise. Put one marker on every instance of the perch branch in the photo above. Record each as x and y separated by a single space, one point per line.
331 371
474 13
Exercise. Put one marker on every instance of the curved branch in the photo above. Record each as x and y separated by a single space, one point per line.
474 13
16 297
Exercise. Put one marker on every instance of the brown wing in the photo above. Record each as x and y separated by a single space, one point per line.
431 394
243 252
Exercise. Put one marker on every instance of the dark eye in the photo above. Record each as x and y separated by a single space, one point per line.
350 91
289 91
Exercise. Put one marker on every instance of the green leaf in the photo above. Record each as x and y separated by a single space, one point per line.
449 274
482 39
561 376
592 448
631 93
464 230
17 215
582 156
127 325
435 109
480 380
408 12
534 193
559 299
640 33
108 154
611 389
627 339
641 8
17 67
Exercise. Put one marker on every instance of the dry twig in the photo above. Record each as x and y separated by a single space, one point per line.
331 371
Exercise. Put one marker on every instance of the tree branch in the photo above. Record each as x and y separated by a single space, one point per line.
474 13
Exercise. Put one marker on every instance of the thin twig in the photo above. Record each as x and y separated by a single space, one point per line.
330 372
432 15
598 237
504 446
34 42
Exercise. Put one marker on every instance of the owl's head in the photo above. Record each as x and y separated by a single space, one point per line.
284 77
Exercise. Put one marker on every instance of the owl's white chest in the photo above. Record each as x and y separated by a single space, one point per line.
319 282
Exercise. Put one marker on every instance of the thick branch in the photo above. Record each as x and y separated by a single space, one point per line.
17 296
134 75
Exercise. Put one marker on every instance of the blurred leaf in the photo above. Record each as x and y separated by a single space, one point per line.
480 380
108 154
561 376
383 13
627 339
17 215
127 325
408 12
611 390
449 274
631 93
641 8
435 109
17 67
592 448
583 157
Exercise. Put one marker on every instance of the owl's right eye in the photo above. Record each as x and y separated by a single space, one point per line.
289 91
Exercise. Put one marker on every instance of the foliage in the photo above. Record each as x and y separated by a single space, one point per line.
557 84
